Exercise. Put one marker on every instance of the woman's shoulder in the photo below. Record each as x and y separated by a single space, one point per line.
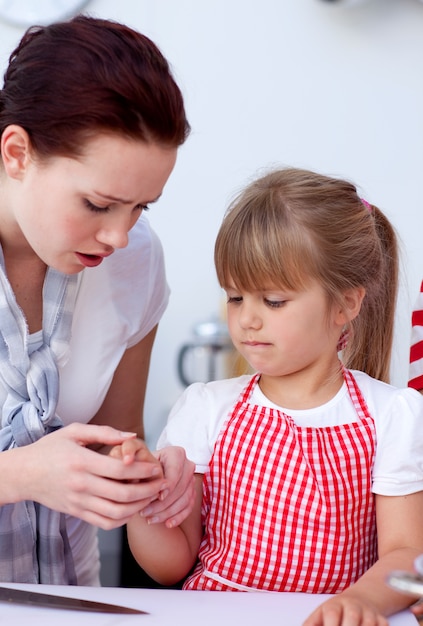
143 245
129 288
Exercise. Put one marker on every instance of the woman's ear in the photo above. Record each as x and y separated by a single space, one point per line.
15 150
352 300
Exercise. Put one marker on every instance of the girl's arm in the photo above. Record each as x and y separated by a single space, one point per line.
167 554
400 541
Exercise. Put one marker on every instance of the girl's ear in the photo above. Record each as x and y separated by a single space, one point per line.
15 150
352 301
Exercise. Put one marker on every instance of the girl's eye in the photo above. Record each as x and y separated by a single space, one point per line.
142 207
275 304
234 299
95 208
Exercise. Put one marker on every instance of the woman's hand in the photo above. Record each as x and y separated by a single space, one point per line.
60 472
178 494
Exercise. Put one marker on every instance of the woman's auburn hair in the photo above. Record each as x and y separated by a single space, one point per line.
292 226
69 80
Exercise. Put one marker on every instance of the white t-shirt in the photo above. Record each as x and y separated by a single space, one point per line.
117 305
198 416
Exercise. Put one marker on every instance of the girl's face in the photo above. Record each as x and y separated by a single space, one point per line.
73 212
281 333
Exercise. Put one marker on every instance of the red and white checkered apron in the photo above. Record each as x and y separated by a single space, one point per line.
288 508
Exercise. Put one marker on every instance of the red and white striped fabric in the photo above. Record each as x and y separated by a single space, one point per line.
416 349
288 508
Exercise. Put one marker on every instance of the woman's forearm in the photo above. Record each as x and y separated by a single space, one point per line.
16 476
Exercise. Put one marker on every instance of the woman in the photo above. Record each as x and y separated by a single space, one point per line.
90 122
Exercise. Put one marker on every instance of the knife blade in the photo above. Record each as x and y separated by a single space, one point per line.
36 598
406 582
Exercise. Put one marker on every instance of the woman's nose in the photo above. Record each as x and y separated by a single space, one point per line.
114 233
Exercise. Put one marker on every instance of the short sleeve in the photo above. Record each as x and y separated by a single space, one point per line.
187 426
118 303
398 468
197 418
146 280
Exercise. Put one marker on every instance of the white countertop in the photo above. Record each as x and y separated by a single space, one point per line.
174 608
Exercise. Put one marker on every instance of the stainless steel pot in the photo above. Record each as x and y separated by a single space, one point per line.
209 355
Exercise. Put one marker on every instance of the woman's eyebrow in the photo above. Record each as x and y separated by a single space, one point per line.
111 198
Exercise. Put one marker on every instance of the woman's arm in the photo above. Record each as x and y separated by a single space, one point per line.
123 405
167 554
64 472
61 472
123 409
400 541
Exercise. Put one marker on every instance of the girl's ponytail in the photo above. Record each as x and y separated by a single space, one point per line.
370 346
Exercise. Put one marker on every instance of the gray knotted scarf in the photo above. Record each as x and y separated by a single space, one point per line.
34 546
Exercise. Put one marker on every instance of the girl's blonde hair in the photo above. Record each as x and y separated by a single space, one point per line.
292 226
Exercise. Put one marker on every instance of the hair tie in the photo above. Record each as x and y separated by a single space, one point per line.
366 204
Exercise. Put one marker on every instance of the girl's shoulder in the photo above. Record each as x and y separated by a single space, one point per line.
398 418
216 393
384 393
391 406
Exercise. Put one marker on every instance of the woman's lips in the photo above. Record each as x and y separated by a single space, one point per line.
90 260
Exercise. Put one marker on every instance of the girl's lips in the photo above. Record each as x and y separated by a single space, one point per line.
89 260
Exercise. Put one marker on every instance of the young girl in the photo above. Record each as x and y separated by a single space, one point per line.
309 472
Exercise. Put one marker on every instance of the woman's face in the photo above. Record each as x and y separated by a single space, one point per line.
73 212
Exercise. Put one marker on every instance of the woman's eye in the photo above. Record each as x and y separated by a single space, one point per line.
234 299
95 208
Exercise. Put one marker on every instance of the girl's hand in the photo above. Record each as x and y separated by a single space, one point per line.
136 451
133 450
345 610
61 473
178 494
417 609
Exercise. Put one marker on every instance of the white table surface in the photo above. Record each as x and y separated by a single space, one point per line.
174 608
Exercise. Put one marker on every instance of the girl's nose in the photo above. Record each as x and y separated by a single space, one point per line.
248 317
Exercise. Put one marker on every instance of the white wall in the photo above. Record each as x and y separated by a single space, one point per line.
290 82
